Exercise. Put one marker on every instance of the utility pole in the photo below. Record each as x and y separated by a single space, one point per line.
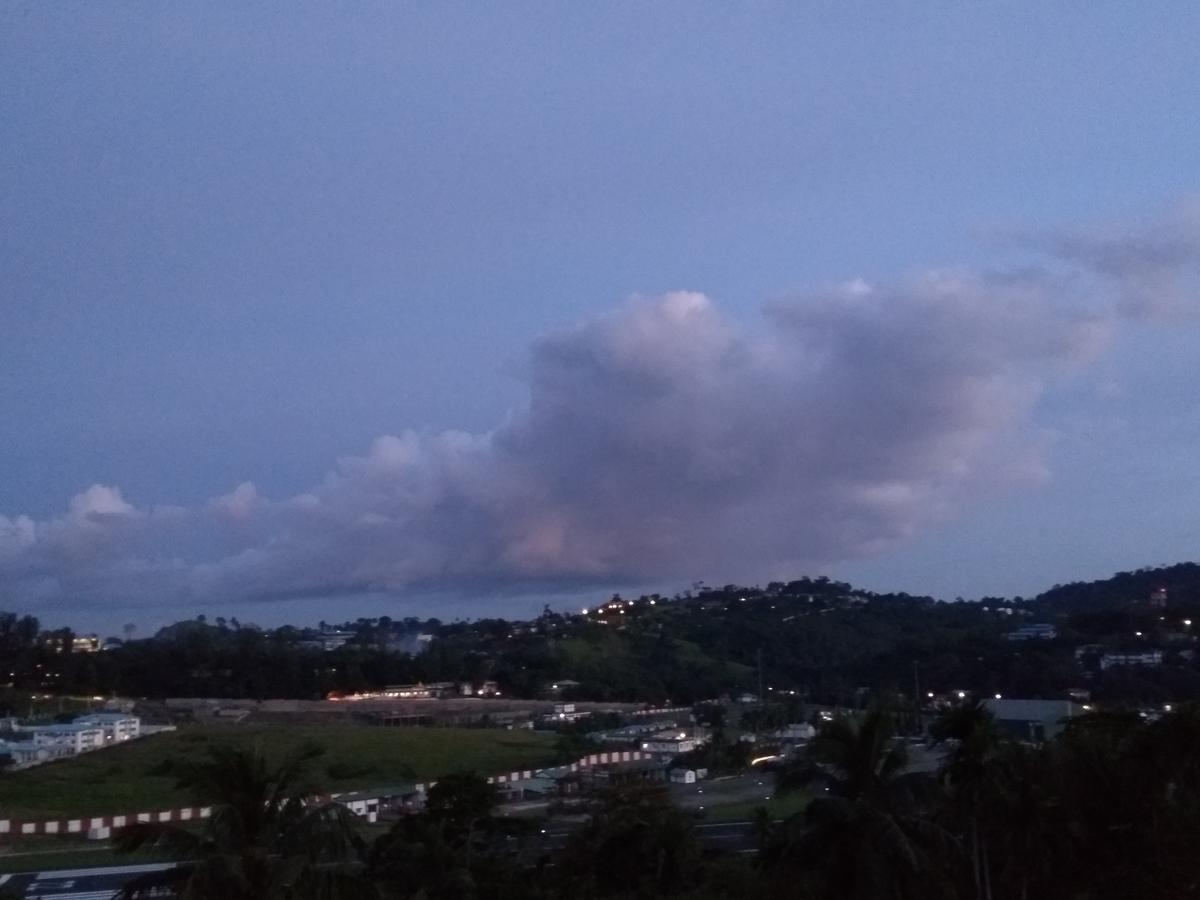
917 693
760 677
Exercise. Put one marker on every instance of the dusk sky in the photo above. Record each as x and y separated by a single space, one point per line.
326 310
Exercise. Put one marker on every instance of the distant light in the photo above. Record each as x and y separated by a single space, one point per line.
651 602
930 695
1137 634
962 694
1187 622
585 611
998 697
1167 707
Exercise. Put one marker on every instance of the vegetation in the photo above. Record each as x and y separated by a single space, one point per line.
823 639
267 839
1109 810
133 778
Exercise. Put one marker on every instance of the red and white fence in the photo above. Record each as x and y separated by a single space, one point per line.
10 828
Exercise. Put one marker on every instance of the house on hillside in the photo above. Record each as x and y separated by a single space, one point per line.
1144 658
1038 632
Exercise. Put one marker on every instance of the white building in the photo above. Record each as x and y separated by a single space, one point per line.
117 726
80 738
26 753
1145 658
670 742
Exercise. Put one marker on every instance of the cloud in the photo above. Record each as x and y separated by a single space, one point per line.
1153 264
659 441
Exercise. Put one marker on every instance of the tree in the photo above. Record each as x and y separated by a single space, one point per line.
867 832
969 773
268 838
456 848
638 844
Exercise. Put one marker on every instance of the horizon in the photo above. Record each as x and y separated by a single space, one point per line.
459 312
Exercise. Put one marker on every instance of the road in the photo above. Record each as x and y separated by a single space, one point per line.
74 884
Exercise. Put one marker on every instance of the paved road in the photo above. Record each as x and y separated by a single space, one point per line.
733 837
74 884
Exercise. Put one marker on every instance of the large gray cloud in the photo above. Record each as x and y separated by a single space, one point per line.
659 441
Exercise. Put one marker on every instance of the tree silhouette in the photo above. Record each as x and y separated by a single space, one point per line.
268 838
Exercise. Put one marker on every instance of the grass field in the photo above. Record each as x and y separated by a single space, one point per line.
129 778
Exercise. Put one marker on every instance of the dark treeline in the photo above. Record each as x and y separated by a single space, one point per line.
821 638
1108 811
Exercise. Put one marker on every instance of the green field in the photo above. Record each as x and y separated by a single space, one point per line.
129 778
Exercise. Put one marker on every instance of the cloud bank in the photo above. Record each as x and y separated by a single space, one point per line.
659 441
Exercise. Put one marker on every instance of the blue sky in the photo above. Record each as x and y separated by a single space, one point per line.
241 244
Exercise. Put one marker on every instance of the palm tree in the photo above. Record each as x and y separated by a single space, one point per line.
970 773
269 837
637 844
865 834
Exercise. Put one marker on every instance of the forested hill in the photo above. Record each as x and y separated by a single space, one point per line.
1181 583
813 638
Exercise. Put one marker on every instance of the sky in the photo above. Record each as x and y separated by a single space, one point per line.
326 310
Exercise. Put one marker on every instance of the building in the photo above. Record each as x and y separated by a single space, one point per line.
628 734
418 691
26 753
117 726
371 803
1148 658
683 776
670 742
79 738
1033 720
563 684
1039 632
797 731
330 639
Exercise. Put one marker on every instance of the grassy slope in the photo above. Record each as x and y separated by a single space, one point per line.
125 779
